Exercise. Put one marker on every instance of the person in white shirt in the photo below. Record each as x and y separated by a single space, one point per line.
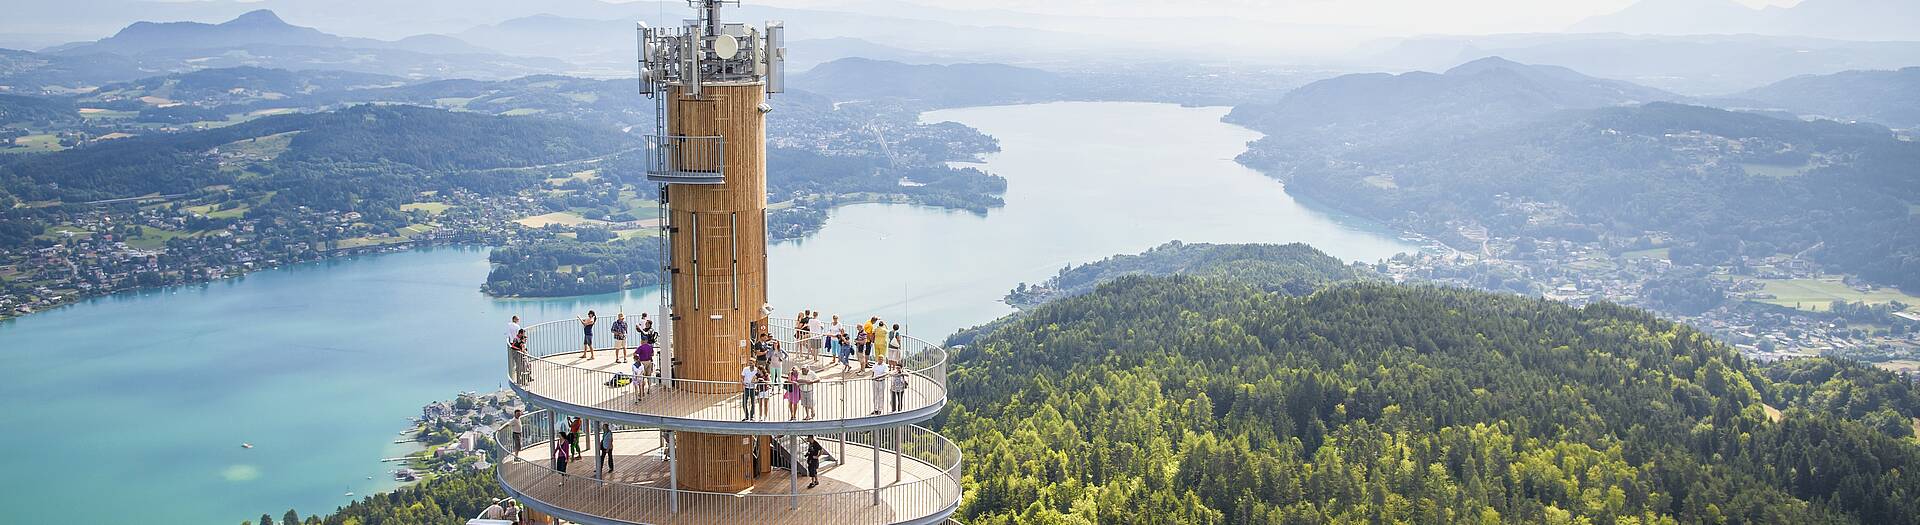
837 332
747 376
515 427
879 387
807 379
513 328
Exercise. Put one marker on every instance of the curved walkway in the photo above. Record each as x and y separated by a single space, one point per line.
638 490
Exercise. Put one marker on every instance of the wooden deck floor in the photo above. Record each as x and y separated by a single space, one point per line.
636 490
573 379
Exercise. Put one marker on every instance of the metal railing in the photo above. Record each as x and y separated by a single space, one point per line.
680 159
552 368
899 475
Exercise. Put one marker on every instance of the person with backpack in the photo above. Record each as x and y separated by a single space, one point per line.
642 370
606 451
893 341
837 340
898 385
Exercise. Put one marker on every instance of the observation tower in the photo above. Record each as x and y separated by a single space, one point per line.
683 450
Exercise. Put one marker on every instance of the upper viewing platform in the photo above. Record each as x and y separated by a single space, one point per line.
674 159
554 372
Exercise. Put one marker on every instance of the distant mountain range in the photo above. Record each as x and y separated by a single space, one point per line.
1843 19
260 27
259 39
1693 64
1891 98
1362 109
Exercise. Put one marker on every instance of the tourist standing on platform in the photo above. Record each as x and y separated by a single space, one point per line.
807 379
777 358
879 388
586 343
837 337
879 341
845 349
561 449
863 343
747 375
894 340
606 451
573 434
898 385
513 328
761 346
514 426
763 389
517 357
619 337
792 394
642 370
814 450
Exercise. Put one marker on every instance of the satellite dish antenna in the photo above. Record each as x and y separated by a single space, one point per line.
726 46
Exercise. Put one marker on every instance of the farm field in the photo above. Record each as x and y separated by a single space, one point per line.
1816 294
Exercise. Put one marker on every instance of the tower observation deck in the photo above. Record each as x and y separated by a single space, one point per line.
685 448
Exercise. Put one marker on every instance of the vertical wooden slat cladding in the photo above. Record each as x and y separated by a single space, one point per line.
724 226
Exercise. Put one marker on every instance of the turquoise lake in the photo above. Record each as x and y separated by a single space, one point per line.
135 405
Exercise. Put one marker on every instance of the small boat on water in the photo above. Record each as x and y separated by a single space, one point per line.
246 445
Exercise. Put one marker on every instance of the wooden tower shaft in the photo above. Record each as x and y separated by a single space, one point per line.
719 252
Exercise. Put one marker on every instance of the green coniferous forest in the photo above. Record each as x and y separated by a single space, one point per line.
1224 400
1189 400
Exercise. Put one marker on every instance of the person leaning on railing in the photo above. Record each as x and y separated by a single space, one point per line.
806 382
517 356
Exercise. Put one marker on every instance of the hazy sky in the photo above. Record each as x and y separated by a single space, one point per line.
1413 16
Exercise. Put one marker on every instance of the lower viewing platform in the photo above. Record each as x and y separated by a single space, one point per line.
906 475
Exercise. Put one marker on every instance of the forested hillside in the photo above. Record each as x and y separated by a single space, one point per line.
1192 400
1885 97
1293 268
387 138
1723 184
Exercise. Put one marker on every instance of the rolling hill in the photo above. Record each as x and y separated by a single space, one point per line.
369 140
1362 109
1891 98
1845 19
1209 400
